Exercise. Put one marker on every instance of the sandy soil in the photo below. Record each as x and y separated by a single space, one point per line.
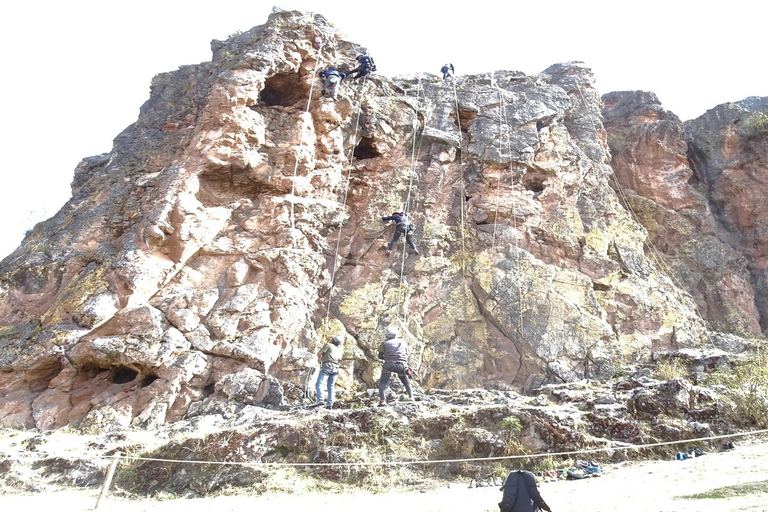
626 487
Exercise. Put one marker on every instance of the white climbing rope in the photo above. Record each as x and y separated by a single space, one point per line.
619 447
350 159
301 142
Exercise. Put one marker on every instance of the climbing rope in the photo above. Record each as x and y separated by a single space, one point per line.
415 151
350 159
515 207
301 141
461 200
663 268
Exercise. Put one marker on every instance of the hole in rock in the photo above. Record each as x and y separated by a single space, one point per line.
224 185
465 119
209 389
149 379
535 184
285 89
366 149
122 375
41 375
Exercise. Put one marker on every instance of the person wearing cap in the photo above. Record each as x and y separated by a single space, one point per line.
329 357
393 352
404 225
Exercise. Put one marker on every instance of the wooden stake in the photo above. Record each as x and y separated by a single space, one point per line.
108 479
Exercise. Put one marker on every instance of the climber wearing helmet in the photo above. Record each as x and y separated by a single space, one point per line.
403 224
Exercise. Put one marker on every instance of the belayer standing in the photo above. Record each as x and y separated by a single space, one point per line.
403 225
447 70
331 78
521 493
330 357
393 352
365 65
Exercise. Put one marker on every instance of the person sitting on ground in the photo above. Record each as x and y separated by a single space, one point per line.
521 493
365 65
403 224
329 357
447 71
331 78
393 352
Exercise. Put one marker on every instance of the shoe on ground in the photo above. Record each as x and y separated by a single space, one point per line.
382 404
329 406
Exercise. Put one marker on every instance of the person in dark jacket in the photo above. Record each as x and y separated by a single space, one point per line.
331 78
403 225
365 65
521 494
393 352
447 71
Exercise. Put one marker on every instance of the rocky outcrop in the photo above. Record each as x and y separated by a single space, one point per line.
669 197
694 188
236 225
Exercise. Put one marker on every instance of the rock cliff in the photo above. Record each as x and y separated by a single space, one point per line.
237 225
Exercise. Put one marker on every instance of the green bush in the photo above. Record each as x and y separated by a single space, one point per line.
746 394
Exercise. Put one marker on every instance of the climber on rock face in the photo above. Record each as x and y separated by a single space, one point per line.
403 225
365 65
331 78
447 71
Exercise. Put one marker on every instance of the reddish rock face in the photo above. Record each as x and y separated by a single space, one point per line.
678 181
238 224
729 149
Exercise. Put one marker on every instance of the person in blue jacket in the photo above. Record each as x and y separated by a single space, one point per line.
403 225
365 65
331 78
447 71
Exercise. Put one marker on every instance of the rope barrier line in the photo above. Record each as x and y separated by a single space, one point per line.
301 139
624 446
351 159
663 267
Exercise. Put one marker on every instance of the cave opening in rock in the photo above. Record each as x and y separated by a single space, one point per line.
366 149
465 118
122 375
149 379
284 89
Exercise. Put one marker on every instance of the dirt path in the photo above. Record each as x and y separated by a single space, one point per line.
626 487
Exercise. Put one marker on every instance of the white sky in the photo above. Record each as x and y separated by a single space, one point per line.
75 72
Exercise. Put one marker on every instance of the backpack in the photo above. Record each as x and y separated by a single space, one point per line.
509 488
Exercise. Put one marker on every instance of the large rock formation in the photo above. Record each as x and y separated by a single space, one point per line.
696 188
236 225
